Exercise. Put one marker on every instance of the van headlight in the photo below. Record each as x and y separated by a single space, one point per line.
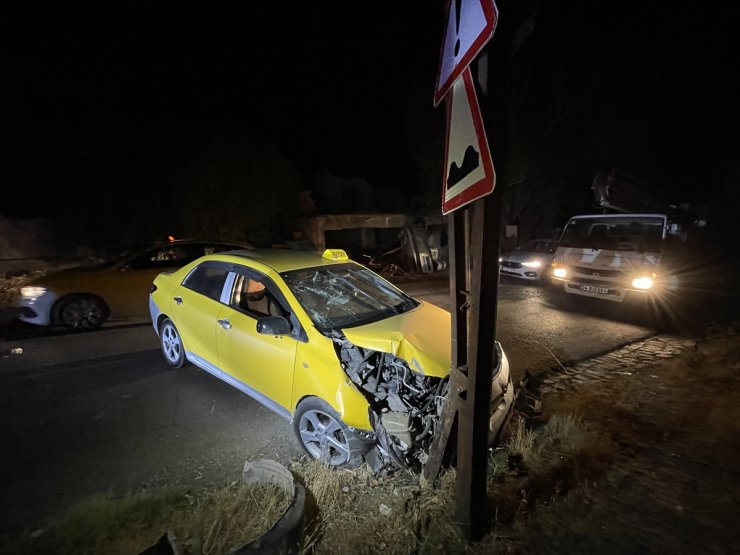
559 272
32 291
643 282
532 264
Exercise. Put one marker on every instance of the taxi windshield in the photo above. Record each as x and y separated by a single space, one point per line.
345 295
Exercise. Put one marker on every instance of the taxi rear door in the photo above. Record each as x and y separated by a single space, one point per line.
195 307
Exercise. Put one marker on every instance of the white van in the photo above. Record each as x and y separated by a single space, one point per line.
612 256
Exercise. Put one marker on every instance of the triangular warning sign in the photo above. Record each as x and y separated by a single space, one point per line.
470 24
468 171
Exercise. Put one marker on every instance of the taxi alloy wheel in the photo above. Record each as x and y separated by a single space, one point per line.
172 348
324 436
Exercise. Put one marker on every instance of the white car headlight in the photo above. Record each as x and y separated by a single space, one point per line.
532 264
559 272
32 291
643 282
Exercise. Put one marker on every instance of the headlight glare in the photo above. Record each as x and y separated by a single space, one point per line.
532 264
643 282
559 272
32 291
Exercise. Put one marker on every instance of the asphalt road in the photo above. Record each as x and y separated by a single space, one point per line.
101 412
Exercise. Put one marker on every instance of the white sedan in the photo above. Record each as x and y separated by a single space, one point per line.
530 261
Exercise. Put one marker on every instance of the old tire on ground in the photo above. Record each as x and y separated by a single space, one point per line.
287 535
171 343
324 436
80 312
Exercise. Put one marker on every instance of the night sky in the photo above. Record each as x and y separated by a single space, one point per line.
101 97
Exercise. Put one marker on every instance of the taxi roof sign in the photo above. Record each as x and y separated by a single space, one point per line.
335 254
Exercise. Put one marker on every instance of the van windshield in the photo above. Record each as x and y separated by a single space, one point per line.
640 234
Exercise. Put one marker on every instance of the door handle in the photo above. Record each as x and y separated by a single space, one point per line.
178 300
225 324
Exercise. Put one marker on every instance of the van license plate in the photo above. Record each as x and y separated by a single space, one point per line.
595 289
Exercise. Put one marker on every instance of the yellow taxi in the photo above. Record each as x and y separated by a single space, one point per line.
358 367
84 298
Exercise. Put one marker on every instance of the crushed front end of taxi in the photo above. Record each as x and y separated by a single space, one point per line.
406 404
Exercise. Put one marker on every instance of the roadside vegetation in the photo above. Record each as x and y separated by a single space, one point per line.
405 514
398 514
213 521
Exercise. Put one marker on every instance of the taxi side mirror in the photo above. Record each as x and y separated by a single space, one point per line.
273 325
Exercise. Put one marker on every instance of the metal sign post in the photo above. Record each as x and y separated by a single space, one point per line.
474 222
474 406
474 245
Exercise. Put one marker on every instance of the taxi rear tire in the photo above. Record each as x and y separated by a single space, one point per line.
171 343
324 436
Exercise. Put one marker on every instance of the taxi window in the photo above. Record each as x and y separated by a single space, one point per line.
252 295
207 280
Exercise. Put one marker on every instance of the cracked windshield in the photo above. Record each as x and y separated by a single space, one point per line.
345 295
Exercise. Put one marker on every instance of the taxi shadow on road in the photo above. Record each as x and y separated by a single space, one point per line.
686 314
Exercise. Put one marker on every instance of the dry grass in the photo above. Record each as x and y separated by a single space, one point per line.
359 513
218 520
103 524
522 439
228 517
349 511
561 437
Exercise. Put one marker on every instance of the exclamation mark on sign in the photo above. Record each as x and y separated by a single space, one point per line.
458 7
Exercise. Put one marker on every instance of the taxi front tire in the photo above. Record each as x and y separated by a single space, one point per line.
171 343
324 436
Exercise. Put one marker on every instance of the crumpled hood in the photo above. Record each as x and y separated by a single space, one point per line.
420 336
610 259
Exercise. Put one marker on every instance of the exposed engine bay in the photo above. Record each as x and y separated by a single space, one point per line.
405 405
